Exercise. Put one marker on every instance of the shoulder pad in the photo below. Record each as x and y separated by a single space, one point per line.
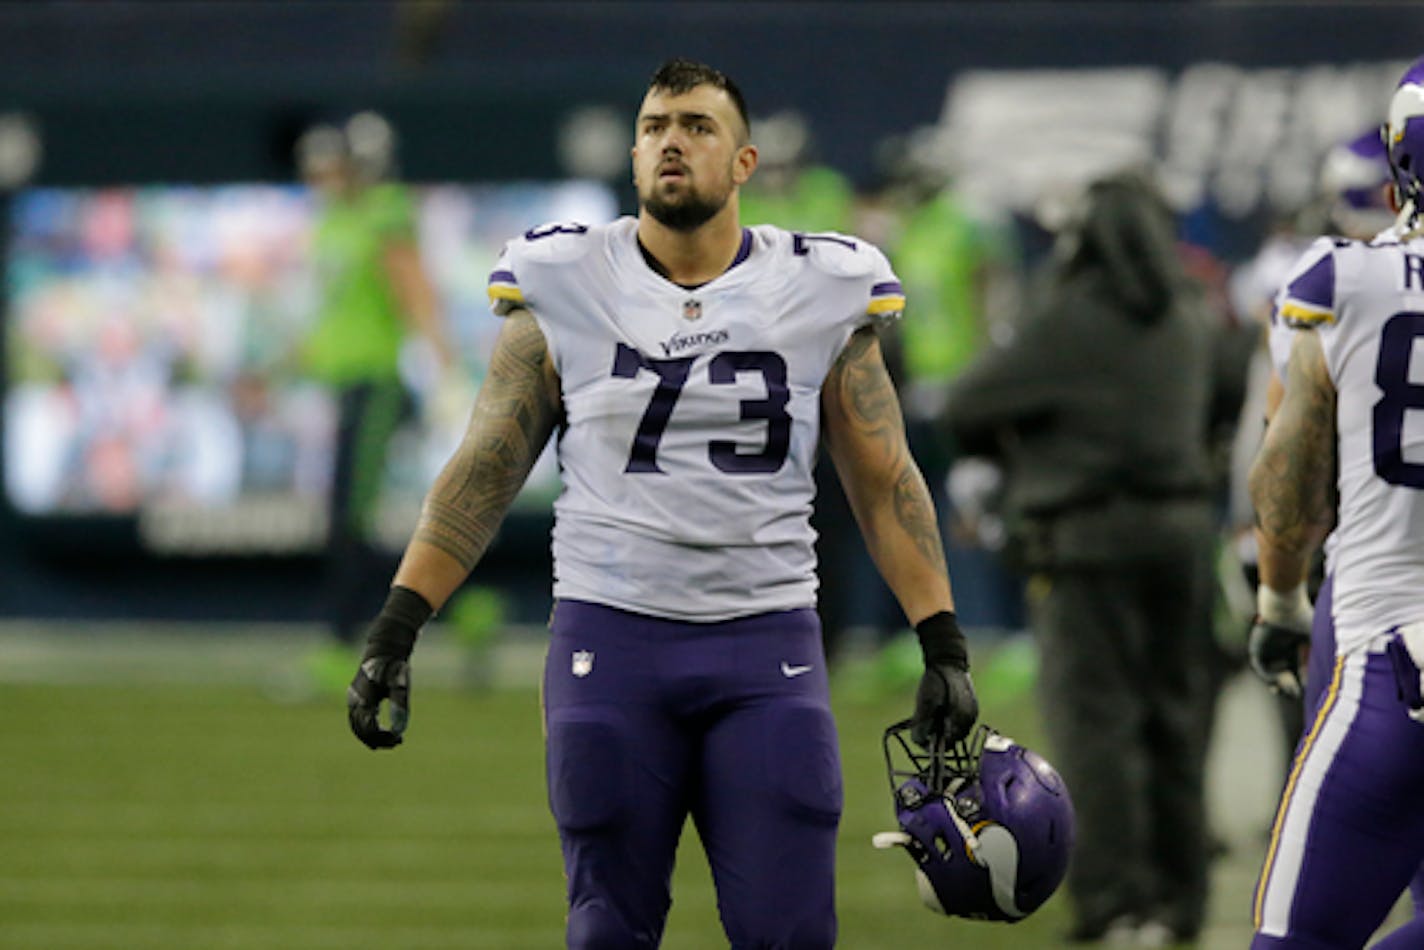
559 241
1324 245
839 255
1308 297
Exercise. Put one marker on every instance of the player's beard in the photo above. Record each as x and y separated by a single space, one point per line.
686 210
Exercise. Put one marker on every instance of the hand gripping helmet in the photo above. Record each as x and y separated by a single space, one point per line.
1404 137
988 823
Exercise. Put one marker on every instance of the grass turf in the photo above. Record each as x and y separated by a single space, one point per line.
202 816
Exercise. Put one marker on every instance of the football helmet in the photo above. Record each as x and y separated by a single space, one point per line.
1352 180
365 144
1404 137
988 823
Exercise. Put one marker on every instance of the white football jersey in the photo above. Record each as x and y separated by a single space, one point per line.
1366 300
1281 332
692 416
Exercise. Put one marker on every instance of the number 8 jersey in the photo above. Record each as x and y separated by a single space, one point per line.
1366 301
692 415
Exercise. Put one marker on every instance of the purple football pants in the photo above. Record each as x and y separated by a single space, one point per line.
649 721
1322 648
1317 678
1349 835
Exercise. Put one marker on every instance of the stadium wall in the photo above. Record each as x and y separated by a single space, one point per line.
131 93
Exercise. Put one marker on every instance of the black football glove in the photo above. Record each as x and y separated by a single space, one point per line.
1276 653
384 673
945 704
1280 636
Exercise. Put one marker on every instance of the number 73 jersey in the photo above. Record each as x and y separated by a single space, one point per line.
1366 301
692 416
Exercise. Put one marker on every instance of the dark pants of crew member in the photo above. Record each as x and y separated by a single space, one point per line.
1123 618
649 721
368 415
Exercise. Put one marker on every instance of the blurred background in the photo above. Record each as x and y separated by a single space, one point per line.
167 464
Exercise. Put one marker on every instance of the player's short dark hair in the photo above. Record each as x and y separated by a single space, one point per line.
679 75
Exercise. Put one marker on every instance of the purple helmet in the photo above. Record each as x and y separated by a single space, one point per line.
988 823
1404 135
1352 178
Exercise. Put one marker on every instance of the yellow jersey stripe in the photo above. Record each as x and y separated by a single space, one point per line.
892 304
506 292
1295 312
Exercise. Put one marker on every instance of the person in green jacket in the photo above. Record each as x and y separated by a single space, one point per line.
373 292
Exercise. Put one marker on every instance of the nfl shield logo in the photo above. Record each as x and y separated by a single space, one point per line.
692 309
583 662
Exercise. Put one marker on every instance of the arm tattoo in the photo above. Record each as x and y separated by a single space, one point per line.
867 392
1292 482
871 409
513 417
916 514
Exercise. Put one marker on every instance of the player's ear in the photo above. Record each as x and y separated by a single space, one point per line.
743 164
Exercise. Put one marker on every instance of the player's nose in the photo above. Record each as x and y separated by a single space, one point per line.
671 160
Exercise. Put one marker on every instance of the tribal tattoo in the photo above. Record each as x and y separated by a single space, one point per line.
514 415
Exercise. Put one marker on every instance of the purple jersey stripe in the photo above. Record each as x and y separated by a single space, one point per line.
502 277
888 287
1316 287
745 250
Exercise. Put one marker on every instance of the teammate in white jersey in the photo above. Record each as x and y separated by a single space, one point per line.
1350 830
1357 180
691 368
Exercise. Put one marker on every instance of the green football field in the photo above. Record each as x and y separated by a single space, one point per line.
200 813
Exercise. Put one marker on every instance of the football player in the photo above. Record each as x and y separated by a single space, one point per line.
1357 183
1349 833
691 367
373 294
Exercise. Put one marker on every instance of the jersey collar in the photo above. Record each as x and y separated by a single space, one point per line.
744 251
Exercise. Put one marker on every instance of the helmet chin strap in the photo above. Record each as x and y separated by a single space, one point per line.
937 782
1408 222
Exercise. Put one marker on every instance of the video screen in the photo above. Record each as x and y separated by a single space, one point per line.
153 365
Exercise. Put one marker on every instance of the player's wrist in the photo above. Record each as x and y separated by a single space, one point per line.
394 631
942 642
1290 608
